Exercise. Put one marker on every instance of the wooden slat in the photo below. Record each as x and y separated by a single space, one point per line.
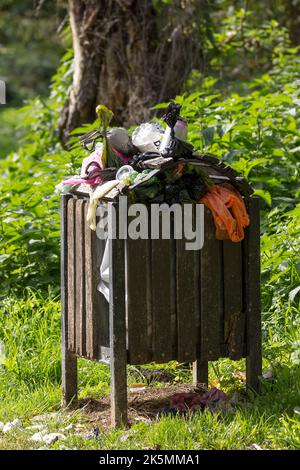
71 274
69 360
252 294
163 294
211 283
234 316
91 292
138 299
117 321
80 279
200 372
188 299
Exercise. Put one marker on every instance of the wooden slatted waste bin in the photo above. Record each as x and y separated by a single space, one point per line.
166 303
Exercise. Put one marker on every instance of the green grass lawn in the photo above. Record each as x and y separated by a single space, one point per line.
30 390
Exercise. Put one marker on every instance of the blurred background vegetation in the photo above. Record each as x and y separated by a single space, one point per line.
32 41
242 102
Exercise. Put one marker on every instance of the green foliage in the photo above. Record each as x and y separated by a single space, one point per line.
257 133
30 46
280 281
9 134
244 47
252 125
29 214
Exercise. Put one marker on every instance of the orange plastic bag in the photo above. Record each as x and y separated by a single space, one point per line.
228 210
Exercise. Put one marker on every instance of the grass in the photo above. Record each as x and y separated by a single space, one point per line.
30 386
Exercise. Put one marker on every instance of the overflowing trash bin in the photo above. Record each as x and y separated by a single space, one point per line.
134 300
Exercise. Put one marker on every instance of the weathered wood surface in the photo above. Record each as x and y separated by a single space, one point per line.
80 284
117 313
234 316
138 257
200 372
187 299
181 304
157 163
69 360
211 285
163 297
70 283
92 275
252 296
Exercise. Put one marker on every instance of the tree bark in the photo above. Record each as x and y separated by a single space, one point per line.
129 56
293 20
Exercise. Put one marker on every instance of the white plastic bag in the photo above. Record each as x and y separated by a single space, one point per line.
147 137
103 286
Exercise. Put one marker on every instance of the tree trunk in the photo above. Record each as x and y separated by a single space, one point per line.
129 56
293 20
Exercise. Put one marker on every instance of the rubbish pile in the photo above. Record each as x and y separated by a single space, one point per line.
158 165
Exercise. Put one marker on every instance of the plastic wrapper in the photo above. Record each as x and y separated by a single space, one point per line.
148 136
121 142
